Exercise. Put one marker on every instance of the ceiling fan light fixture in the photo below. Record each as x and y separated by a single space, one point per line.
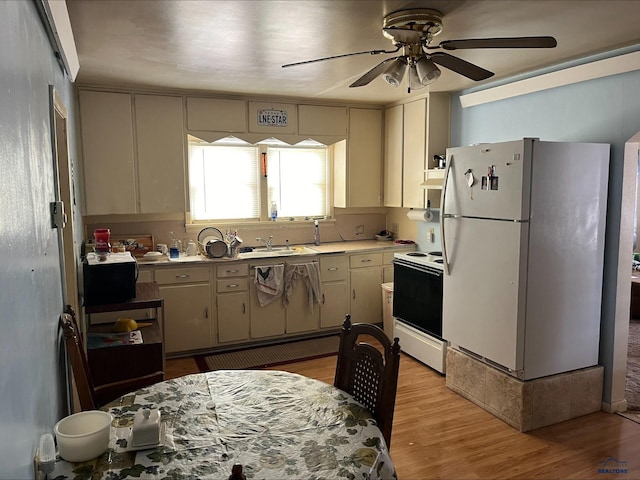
414 79
395 73
427 71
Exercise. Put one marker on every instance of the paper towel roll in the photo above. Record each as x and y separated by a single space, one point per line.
420 215
423 215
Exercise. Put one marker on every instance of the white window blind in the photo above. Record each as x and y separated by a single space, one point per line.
224 182
297 181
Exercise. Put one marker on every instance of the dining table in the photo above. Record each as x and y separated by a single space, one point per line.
276 424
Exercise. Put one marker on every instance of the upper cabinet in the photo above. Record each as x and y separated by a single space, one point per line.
132 167
216 114
358 161
314 120
393 126
160 141
108 152
424 125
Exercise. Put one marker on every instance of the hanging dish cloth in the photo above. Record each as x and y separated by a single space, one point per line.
269 284
310 274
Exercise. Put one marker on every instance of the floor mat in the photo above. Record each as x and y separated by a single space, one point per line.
632 387
270 355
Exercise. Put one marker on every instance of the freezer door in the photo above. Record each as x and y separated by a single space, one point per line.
484 293
489 181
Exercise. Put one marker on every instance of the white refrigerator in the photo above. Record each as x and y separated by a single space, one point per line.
523 230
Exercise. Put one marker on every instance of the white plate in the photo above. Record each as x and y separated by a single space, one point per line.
133 448
152 254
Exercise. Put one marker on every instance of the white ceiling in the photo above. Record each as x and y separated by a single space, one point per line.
239 46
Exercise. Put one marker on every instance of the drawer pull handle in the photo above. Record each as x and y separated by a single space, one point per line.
183 276
206 312
244 308
354 294
232 285
332 269
365 260
232 271
323 300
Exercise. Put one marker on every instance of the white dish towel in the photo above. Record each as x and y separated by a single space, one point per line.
269 283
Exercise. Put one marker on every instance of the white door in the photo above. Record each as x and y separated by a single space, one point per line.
483 294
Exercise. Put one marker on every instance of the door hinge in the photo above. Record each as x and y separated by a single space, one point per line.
58 217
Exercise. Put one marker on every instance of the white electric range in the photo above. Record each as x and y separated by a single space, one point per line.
417 306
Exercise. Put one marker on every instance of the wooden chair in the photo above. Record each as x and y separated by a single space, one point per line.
368 374
92 396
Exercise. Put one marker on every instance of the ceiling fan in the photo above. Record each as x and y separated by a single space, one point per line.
413 31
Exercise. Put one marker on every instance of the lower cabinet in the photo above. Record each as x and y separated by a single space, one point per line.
187 322
269 320
365 279
232 302
334 273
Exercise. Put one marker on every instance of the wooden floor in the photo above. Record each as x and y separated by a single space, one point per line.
439 434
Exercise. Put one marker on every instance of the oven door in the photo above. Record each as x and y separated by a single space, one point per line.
417 296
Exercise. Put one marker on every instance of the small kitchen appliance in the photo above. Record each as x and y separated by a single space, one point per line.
109 280
513 216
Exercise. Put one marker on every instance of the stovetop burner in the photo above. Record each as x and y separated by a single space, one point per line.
431 259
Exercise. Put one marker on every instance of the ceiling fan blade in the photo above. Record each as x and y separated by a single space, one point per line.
506 42
461 66
402 35
373 73
371 52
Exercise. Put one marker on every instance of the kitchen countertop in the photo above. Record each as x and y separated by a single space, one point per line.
324 248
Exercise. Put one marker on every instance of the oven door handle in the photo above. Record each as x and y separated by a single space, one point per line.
443 215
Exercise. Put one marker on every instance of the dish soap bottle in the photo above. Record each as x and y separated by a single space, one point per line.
274 211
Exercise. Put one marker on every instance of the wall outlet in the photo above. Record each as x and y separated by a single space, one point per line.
359 229
395 227
431 236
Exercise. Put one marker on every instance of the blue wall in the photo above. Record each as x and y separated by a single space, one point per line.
33 395
605 110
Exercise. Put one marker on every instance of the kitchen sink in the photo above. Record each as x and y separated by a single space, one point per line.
275 252
266 253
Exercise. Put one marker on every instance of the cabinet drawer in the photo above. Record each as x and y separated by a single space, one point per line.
365 260
232 285
181 275
232 270
333 268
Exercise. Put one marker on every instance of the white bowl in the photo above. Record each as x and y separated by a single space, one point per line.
83 436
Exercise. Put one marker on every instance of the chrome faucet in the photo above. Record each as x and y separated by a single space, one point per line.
267 243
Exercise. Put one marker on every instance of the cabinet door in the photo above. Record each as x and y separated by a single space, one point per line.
300 317
393 125
413 194
335 304
365 158
187 325
160 141
106 125
233 317
267 321
366 300
320 120
216 114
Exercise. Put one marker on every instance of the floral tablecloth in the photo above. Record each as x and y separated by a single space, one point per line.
278 425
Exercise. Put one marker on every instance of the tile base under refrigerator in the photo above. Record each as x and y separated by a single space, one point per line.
429 350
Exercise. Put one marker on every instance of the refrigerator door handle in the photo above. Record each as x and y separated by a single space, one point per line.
443 215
